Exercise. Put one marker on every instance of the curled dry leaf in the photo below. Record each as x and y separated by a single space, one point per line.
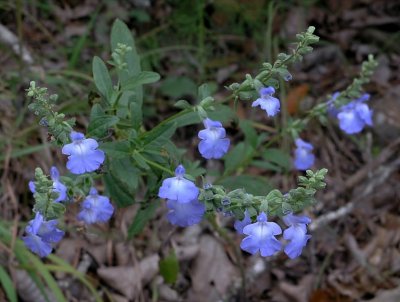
129 280
213 273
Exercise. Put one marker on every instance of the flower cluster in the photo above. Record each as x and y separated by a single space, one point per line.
261 235
41 235
185 209
186 203
83 157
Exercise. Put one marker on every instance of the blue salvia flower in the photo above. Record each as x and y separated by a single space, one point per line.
331 108
83 154
355 115
303 157
58 186
32 186
41 235
240 224
185 214
261 237
296 233
267 102
214 143
178 188
95 208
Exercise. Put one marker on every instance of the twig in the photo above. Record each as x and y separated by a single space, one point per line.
361 174
9 38
377 179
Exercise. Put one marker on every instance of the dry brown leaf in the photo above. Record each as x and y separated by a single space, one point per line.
300 292
295 96
128 280
213 273
390 295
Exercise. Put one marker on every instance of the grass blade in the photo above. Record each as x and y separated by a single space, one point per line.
8 285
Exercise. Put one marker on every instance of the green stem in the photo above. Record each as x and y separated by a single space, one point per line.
171 118
158 166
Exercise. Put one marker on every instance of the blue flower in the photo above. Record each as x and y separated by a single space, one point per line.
83 154
240 224
185 214
331 108
58 186
214 143
32 186
261 237
296 233
41 235
95 208
303 158
267 102
178 188
355 115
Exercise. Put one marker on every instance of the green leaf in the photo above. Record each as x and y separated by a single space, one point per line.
182 104
7 285
124 102
175 87
274 197
118 149
169 268
145 213
236 156
126 173
266 165
140 160
278 157
54 210
204 91
102 78
136 115
264 205
252 184
100 122
117 191
222 113
144 77
249 132
157 133
120 33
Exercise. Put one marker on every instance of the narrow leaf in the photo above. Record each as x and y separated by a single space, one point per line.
145 213
7 285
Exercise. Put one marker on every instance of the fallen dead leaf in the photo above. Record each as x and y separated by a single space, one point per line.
213 273
128 280
300 292
390 295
